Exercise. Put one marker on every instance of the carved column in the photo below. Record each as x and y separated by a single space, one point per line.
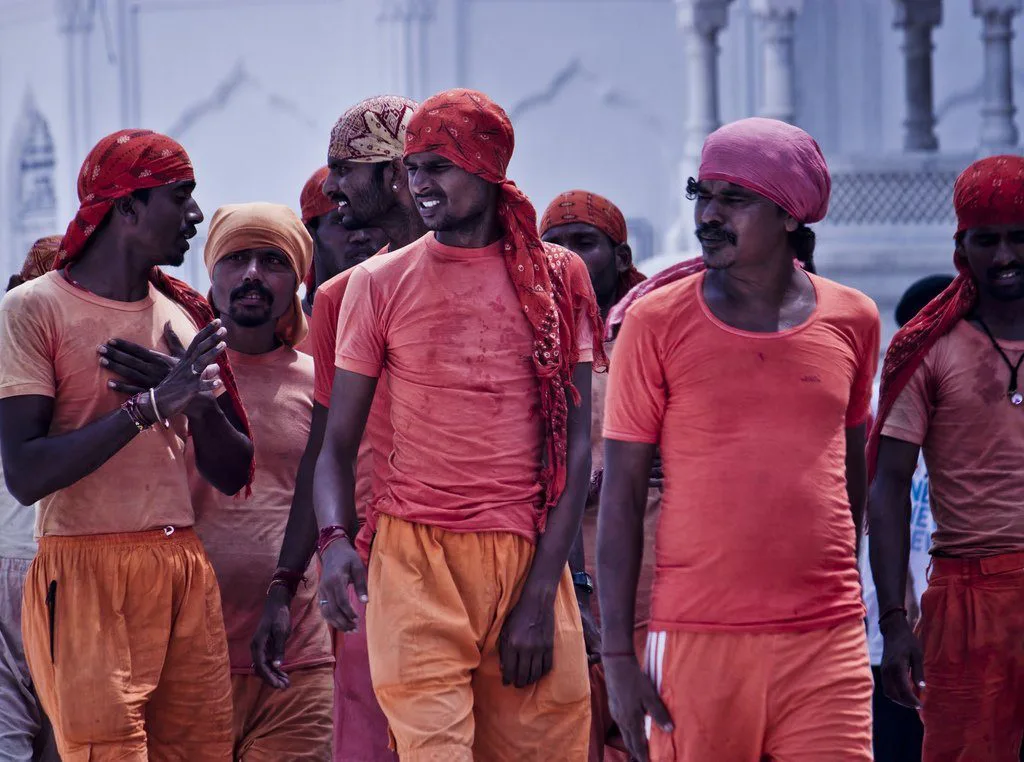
998 131
75 22
701 21
777 19
406 23
917 19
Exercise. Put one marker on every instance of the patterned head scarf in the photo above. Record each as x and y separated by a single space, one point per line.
989 192
236 227
120 164
592 209
475 134
312 201
40 257
775 160
372 131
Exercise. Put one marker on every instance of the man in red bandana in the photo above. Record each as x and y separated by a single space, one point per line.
122 618
753 378
593 227
488 337
951 384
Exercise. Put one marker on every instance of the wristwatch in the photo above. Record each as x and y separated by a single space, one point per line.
583 581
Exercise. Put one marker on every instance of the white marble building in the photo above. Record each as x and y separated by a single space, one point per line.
611 95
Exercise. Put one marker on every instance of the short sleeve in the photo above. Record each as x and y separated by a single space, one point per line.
637 391
323 332
360 347
26 349
584 296
859 408
908 419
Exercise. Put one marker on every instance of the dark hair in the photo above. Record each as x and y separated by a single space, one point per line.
14 281
918 295
802 241
142 194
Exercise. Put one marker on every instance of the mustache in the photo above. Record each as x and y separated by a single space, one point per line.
709 232
252 288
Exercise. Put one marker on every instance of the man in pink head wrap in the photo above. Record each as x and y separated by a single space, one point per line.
754 378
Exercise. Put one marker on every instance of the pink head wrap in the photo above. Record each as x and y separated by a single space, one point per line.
775 160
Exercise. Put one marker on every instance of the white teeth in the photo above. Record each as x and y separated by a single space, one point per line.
342 204
429 204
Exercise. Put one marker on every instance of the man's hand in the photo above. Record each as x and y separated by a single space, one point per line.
527 641
268 643
341 567
902 660
631 697
591 632
142 368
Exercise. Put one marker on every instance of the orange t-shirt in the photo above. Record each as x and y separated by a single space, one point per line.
375 446
956 406
447 325
243 537
49 332
755 531
645 584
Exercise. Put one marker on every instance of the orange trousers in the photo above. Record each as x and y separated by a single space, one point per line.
438 601
125 642
743 697
972 633
293 724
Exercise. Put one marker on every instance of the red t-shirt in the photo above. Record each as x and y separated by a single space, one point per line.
755 530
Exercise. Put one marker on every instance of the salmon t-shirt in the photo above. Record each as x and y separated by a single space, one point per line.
645 583
755 531
448 327
956 407
49 332
375 446
243 536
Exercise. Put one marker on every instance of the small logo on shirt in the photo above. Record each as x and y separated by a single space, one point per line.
810 379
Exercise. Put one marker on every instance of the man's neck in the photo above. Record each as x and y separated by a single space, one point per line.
111 272
481 232
605 305
1004 319
765 285
251 340
402 225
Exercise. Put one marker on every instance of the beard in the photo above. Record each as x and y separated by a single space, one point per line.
251 315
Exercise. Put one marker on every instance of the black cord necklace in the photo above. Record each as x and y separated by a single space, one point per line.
1016 398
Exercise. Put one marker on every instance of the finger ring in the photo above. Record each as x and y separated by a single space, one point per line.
323 602
194 371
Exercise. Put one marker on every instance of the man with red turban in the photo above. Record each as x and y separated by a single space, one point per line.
950 386
487 336
593 227
754 379
122 619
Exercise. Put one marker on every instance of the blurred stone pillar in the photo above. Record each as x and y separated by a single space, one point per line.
777 18
998 131
917 19
75 22
405 40
701 21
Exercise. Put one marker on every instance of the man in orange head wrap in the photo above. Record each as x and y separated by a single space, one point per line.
488 336
122 622
950 385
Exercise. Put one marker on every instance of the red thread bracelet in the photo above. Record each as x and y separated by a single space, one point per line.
618 654
288 578
328 535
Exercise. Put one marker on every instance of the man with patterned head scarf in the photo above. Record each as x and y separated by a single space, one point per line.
950 386
368 186
593 227
487 336
25 731
753 377
121 583
256 256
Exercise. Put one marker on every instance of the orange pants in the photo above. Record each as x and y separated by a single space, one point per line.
125 642
360 727
972 632
294 724
741 697
438 601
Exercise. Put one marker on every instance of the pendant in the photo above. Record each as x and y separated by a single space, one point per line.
1016 399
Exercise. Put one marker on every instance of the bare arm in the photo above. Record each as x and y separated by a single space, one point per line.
857 479
223 452
334 494
37 465
300 533
889 517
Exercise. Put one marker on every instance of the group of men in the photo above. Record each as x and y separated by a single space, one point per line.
432 422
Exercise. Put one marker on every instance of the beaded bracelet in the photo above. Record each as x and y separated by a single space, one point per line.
289 578
131 406
328 535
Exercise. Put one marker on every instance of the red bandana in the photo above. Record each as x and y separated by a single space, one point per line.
989 192
118 165
474 133
314 203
